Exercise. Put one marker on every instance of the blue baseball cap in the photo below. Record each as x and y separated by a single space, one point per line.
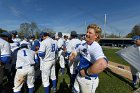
60 34
14 32
26 36
8 35
36 43
23 45
134 38
32 36
73 33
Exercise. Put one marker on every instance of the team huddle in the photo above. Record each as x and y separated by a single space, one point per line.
84 58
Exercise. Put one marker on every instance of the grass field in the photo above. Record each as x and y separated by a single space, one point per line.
112 56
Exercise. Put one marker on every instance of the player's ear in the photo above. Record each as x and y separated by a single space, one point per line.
96 36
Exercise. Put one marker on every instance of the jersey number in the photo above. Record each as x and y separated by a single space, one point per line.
24 53
53 47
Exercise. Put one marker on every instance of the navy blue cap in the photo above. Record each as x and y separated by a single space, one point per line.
60 34
6 34
73 33
14 32
32 36
24 45
26 36
42 33
36 43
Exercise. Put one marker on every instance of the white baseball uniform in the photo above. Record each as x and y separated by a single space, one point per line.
60 43
48 47
25 69
72 44
88 55
16 40
5 54
4 58
4 50
26 42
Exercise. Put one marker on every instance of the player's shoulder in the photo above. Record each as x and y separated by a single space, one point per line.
4 42
60 40
95 45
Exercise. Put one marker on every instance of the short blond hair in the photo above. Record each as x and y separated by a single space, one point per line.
97 29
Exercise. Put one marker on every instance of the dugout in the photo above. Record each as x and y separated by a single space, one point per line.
116 42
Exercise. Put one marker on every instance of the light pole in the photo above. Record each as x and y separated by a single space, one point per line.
104 25
119 34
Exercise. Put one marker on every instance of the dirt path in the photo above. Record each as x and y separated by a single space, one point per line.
120 69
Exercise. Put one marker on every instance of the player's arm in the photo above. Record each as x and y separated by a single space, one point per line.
96 68
74 53
41 51
72 56
5 56
36 59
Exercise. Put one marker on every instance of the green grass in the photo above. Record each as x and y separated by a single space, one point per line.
112 56
112 83
108 83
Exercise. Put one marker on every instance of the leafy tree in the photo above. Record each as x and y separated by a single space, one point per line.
135 31
112 36
28 29
2 30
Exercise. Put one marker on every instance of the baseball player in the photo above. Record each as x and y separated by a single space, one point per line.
47 51
5 52
134 71
15 37
35 47
72 44
92 60
61 53
26 41
25 68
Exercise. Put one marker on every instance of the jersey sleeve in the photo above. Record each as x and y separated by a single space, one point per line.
5 53
42 49
97 52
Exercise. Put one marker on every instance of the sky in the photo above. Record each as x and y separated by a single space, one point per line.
69 15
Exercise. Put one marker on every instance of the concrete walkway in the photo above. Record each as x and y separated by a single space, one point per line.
120 69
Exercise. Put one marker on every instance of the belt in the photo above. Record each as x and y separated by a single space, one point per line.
23 67
91 76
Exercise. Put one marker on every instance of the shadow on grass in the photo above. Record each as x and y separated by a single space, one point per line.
38 83
63 88
109 71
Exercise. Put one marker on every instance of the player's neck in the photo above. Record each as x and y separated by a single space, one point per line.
89 42
45 37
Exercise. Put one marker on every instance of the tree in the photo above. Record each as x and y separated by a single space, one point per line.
34 28
135 31
28 29
2 30
112 36
24 29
